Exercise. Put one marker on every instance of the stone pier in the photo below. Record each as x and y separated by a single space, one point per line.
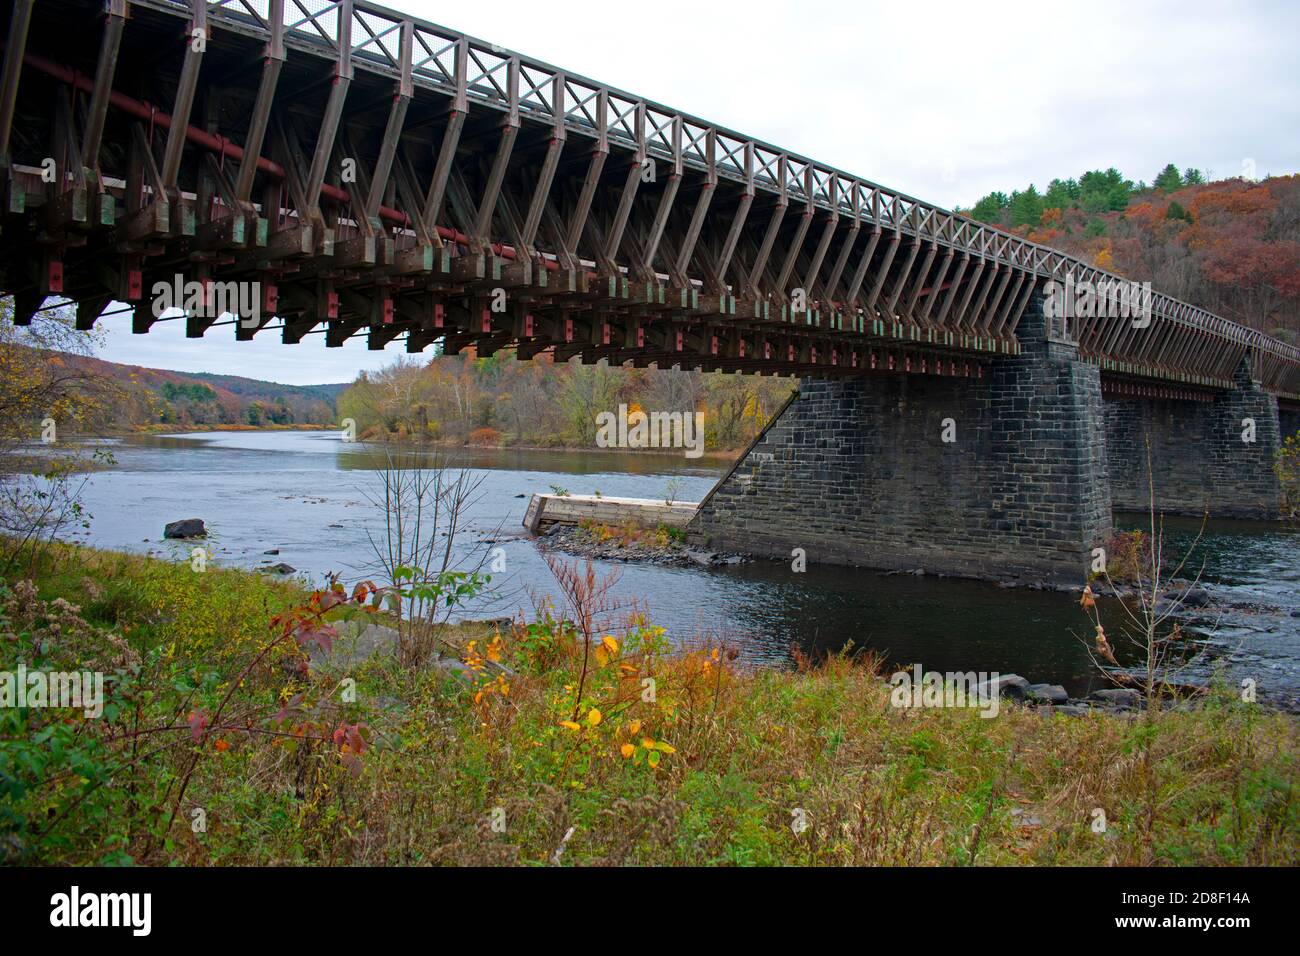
1002 476
1212 456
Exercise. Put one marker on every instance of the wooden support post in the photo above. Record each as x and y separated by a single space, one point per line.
450 140
660 223
329 125
685 253
261 116
900 282
738 220
627 197
965 310
393 129
578 220
842 260
481 227
879 284
860 273
952 289
15 48
922 276
757 268
796 245
111 42
196 41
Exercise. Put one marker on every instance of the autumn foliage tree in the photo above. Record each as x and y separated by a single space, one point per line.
1231 246
44 396
465 399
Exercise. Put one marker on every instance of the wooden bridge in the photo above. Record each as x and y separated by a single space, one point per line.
355 170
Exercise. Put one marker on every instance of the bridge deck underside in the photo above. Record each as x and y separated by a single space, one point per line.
375 174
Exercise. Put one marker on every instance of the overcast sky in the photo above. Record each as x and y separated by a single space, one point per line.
945 101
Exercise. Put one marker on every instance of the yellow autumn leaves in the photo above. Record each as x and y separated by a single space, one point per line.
492 651
606 650
593 719
498 686
650 750
476 660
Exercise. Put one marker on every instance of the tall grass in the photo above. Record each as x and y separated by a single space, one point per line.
654 757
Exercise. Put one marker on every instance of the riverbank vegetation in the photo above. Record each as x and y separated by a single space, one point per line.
1287 468
45 396
499 400
234 733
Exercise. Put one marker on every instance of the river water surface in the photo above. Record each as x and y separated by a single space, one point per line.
306 494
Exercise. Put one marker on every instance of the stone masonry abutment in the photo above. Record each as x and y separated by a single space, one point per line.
1002 476
1214 456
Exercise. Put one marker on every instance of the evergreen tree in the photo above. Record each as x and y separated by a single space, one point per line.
1169 179
1058 195
989 209
1104 190
1027 207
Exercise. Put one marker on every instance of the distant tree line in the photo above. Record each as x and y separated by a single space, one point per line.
501 400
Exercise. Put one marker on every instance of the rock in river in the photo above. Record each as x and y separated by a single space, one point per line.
1118 697
1005 685
1048 693
186 528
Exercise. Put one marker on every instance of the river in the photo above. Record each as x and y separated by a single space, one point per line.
305 494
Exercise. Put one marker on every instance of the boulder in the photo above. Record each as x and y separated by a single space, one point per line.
280 568
1196 597
1006 685
1118 697
1050 693
186 528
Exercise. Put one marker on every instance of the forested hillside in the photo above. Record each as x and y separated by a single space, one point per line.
134 396
1231 246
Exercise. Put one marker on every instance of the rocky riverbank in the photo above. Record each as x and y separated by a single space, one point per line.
650 547
1049 699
